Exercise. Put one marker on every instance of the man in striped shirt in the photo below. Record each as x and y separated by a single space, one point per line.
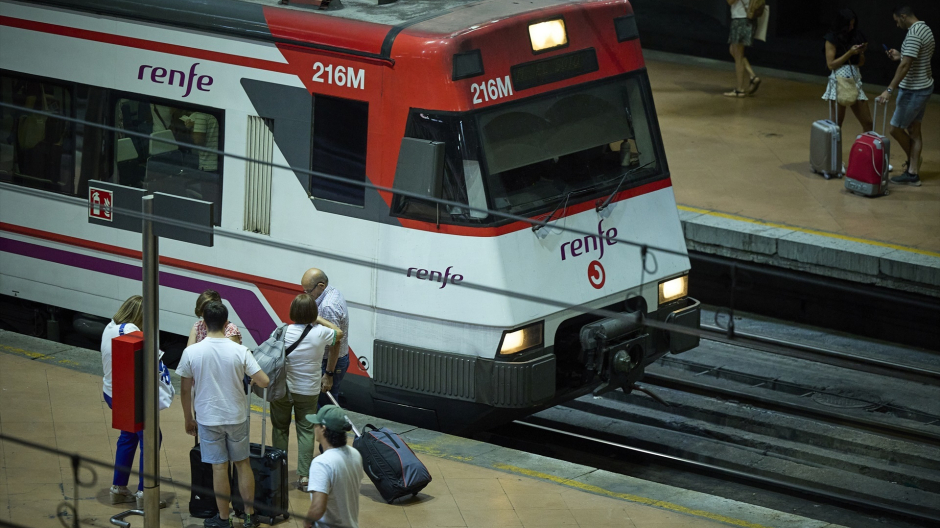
914 82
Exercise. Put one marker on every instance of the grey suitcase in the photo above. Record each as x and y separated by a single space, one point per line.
825 147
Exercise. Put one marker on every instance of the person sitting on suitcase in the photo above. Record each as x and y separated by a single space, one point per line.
335 474
216 367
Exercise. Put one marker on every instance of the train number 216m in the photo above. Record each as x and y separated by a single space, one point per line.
491 90
342 75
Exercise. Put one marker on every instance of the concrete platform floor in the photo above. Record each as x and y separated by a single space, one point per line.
50 394
750 157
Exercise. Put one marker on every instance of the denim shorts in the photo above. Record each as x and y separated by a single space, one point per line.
222 443
910 107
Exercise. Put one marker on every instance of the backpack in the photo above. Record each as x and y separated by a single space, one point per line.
755 9
272 358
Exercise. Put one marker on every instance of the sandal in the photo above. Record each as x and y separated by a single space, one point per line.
735 93
755 84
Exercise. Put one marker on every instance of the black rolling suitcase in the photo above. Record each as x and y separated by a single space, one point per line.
269 466
201 503
388 461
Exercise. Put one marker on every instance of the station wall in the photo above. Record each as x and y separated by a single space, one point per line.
794 38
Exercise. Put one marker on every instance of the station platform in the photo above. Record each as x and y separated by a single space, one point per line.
741 174
50 394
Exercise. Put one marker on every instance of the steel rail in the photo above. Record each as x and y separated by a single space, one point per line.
792 487
827 356
874 426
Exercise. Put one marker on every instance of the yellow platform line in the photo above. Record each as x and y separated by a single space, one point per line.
628 497
807 230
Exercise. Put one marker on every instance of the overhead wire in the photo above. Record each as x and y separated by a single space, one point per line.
643 247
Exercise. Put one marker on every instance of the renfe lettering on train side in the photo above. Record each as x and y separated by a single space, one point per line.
158 74
589 243
423 274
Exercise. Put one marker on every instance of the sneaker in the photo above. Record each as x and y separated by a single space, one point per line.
217 522
907 178
140 501
250 522
121 495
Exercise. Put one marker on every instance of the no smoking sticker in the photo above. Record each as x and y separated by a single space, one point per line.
596 274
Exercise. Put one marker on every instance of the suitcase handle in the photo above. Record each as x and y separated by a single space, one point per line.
336 403
376 429
884 118
264 418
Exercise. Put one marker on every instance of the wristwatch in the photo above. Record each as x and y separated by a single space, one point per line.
890 90
327 373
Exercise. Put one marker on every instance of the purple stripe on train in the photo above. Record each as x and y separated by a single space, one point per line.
250 310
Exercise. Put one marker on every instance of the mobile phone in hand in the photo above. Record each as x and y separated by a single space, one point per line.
885 46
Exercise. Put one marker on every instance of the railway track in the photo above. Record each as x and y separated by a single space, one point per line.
835 421
608 448
839 358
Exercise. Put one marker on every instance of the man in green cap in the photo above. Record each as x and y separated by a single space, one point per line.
335 474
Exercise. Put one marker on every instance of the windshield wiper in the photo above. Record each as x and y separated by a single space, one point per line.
564 199
623 178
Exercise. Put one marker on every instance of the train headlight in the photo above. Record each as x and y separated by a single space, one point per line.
515 341
673 289
548 35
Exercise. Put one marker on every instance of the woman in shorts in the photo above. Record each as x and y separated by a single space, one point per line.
845 55
742 36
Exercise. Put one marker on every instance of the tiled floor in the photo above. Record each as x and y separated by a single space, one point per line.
750 157
61 408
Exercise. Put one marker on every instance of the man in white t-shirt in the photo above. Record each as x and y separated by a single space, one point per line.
335 474
212 372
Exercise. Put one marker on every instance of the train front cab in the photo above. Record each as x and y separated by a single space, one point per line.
513 129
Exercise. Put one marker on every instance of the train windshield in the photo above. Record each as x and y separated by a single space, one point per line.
569 146
527 157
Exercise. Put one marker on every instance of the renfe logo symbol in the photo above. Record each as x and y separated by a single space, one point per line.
157 74
596 274
602 239
423 274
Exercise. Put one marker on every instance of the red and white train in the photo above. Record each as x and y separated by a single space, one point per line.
540 109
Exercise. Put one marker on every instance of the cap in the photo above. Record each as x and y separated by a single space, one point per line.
331 417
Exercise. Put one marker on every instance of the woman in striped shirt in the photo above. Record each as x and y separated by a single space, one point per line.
914 82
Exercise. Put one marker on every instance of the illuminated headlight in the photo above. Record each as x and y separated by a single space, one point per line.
523 339
548 35
673 289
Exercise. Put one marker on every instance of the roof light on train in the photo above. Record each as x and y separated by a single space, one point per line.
673 289
522 339
548 35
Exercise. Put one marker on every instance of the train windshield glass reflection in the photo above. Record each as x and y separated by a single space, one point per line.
574 144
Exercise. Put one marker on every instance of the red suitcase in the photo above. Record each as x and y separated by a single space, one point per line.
867 173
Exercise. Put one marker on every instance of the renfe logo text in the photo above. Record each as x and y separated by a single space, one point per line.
177 77
423 274
583 246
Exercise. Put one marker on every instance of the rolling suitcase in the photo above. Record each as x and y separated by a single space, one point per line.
867 173
388 461
825 146
269 466
201 500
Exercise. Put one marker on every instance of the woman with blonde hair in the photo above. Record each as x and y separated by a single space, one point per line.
199 331
306 342
129 318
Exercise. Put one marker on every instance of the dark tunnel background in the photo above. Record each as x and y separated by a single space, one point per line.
794 37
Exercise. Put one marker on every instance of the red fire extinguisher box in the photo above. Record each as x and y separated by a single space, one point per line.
127 382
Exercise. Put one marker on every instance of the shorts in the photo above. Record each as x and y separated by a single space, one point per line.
223 443
742 32
910 107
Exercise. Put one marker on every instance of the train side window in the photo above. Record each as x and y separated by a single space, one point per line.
150 162
340 133
36 150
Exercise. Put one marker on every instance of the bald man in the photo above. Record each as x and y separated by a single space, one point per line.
332 306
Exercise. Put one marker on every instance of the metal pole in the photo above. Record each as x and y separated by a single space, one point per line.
151 264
